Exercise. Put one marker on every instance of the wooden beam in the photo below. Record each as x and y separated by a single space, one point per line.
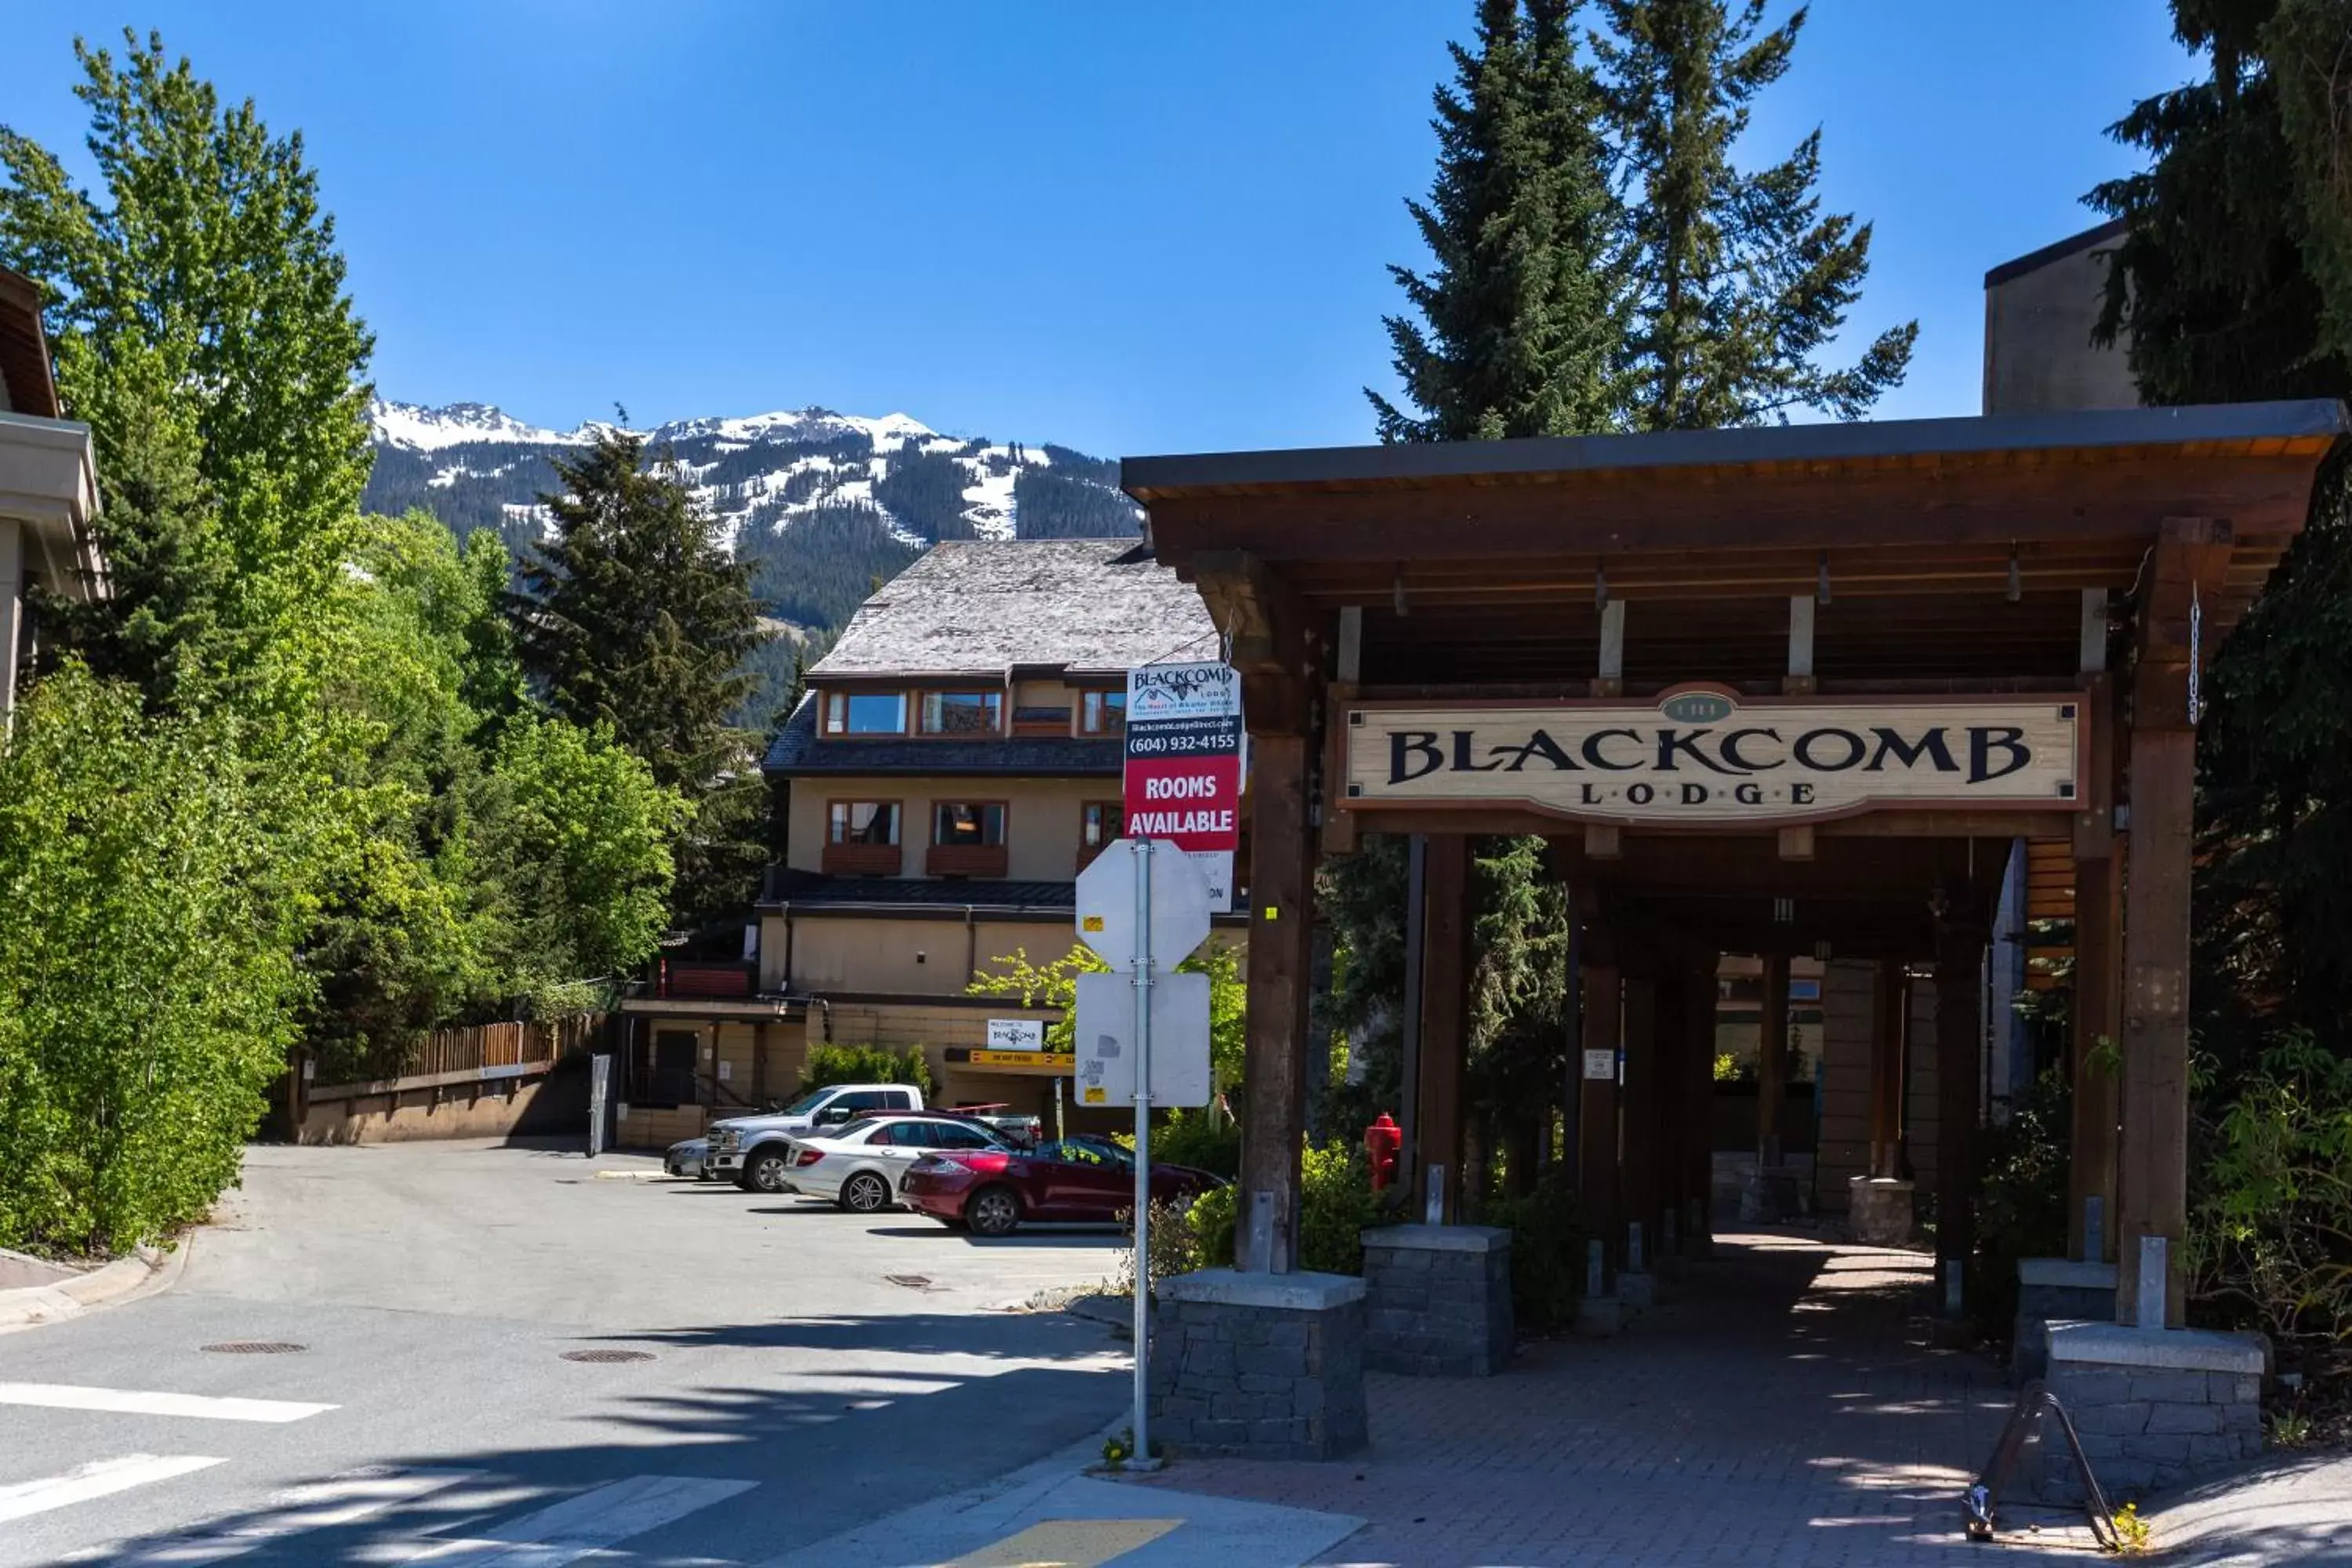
1445 1024
2093 652
1642 1099
1351 644
1800 680
1261 614
1603 841
1610 675
1960 936
1596 1118
1282 923
2152 1163
1771 1060
1797 843
2097 1054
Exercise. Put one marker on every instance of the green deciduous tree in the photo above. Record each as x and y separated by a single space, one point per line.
197 312
632 614
1740 282
147 986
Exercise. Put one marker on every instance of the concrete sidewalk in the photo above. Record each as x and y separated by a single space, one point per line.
1782 1406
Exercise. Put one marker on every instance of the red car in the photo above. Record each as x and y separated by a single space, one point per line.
994 1190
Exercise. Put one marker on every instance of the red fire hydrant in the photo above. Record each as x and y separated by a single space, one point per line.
1383 1143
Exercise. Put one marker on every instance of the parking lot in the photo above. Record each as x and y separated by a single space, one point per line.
520 1346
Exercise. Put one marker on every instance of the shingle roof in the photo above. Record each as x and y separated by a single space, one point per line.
1089 605
798 750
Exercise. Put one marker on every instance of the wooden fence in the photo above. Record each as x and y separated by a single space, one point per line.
500 1044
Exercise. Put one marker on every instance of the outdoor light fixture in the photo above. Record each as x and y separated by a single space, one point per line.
2016 578
1821 580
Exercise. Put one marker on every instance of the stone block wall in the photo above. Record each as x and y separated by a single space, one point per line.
2154 1408
1261 1366
1437 1300
2055 1289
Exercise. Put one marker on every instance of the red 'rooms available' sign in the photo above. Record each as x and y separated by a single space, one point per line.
1184 763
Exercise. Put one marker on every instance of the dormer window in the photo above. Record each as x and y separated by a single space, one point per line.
963 712
865 713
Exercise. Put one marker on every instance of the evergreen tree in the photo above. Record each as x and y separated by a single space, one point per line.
1519 322
2231 285
1740 281
633 614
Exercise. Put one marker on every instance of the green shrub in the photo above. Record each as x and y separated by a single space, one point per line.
2022 1212
1547 1244
1336 1205
867 1064
1206 1140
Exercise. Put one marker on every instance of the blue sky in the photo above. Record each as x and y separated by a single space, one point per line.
1126 228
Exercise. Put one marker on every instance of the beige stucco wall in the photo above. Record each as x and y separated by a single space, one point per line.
896 957
1041 820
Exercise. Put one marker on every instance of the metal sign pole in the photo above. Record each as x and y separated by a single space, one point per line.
1142 1452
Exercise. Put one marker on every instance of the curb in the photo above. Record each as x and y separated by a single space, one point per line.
148 1272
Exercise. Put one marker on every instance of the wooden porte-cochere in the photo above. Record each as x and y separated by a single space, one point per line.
1784 692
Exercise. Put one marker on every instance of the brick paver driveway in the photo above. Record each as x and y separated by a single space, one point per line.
1781 1407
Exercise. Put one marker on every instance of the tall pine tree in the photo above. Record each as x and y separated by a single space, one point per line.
633 613
1740 281
2231 284
1519 325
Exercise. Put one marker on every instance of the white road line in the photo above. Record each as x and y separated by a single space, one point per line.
579 1526
320 1505
133 1402
101 1478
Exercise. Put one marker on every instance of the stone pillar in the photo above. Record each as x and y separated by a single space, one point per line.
1281 922
2154 1408
1259 1366
2056 1291
1959 1044
1437 1300
1444 1027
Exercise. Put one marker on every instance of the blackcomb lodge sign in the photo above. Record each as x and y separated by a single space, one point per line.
1702 757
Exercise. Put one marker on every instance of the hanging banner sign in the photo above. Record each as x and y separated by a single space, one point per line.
1705 757
1183 773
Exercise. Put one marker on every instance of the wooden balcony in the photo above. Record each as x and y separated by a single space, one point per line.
863 860
965 860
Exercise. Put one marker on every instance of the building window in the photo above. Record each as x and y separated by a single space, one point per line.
966 824
963 712
1103 821
862 822
1104 713
865 713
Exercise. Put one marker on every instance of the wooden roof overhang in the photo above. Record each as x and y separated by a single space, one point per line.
1484 563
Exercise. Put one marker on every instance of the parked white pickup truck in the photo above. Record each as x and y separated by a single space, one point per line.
751 1151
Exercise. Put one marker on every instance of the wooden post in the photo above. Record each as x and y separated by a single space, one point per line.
2185 573
1444 1026
1771 1060
1281 924
1959 1068
2153 1159
1887 986
1596 1120
1698 1141
1655 1037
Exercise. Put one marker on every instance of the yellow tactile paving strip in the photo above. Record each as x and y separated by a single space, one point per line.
1068 1544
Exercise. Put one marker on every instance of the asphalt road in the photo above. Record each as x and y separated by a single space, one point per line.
792 1372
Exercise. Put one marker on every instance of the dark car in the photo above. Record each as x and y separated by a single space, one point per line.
994 1191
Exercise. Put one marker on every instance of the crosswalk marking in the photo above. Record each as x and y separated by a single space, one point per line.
135 1402
99 1479
320 1505
579 1526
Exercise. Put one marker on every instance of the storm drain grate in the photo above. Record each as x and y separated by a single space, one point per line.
606 1358
254 1347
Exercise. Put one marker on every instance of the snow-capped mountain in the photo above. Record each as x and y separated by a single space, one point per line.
821 502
